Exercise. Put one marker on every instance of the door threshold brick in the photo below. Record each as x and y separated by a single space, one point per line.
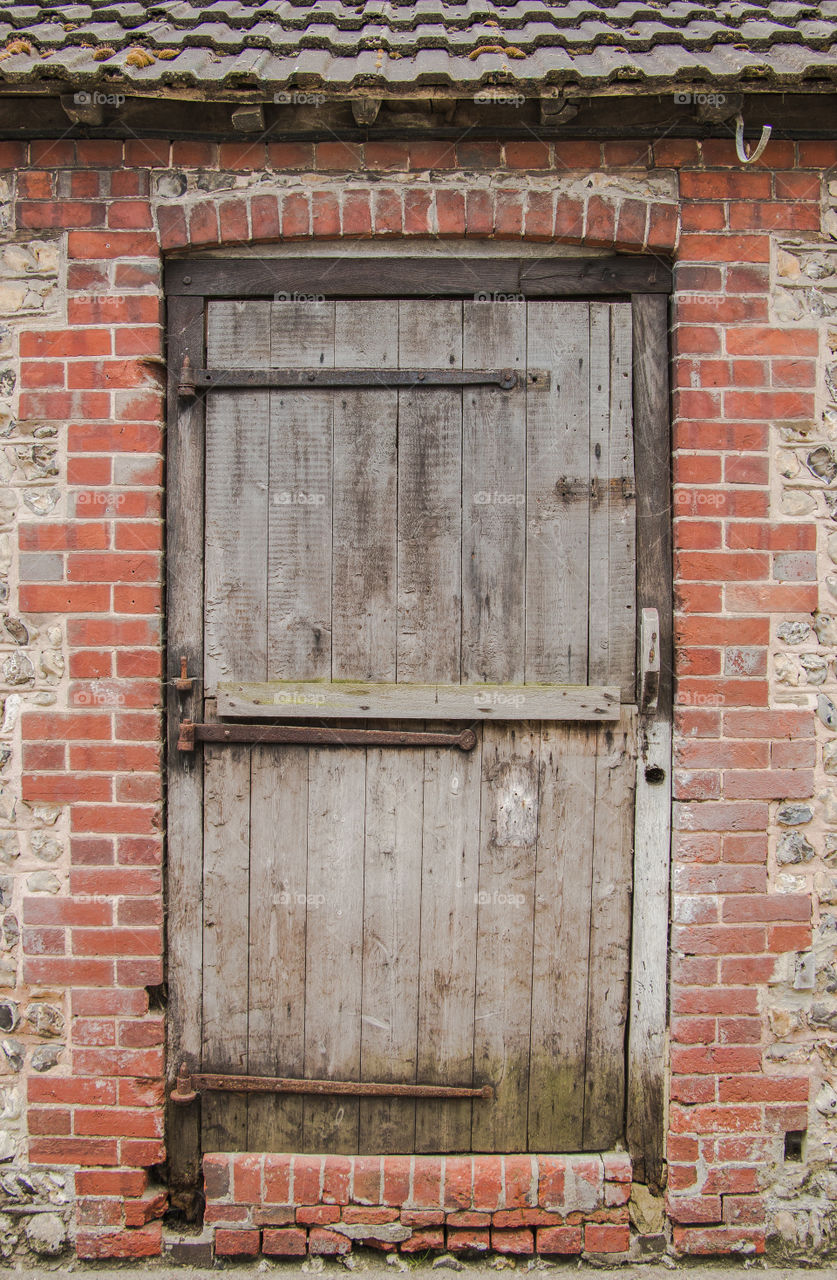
515 1204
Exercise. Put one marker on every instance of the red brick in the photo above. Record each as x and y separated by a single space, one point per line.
603 1237
316 1215
327 1243
423 1240
514 1242
562 1240
470 1240
290 1242
237 1244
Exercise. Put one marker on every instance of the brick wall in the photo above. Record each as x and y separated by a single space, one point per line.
753 1016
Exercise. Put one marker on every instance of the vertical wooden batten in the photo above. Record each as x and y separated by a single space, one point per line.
184 863
647 1019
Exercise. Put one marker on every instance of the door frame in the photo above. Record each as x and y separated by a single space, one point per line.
647 282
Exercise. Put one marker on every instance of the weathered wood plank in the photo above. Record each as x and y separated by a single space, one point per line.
599 571
429 498
622 622
448 943
558 494
299 507
610 930
648 1001
356 699
425 277
184 854
508 845
493 498
391 918
276 953
562 937
226 926
334 942
237 434
364 567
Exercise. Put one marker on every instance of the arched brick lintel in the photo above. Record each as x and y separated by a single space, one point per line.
367 211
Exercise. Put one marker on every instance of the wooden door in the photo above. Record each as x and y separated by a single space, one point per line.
419 915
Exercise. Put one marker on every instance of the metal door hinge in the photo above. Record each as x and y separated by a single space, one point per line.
362 379
190 1084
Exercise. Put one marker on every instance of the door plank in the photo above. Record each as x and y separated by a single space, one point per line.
334 942
226 927
391 916
493 497
429 498
508 843
372 700
448 944
276 956
184 778
299 509
612 646
622 535
558 488
237 432
364 569
562 936
610 931
600 570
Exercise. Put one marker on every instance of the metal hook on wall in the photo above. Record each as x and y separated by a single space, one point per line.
739 141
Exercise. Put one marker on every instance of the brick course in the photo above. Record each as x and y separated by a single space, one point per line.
87 560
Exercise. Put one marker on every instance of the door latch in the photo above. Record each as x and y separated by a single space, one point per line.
649 662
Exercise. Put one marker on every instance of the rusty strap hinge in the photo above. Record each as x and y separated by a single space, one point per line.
361 379
190 1084
317 735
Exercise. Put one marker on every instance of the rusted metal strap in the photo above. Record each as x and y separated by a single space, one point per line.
317 735
363 379
189 1085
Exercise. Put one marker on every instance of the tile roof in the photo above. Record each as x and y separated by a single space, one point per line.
396 45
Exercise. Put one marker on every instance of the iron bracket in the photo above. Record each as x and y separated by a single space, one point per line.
318 735
190 1084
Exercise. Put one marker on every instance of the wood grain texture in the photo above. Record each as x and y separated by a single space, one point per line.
334 942
184 846
561 942
300 496
558 494
448 942
237 435
226 928
493 499
278 868
372 699
391 925
505 912
610 925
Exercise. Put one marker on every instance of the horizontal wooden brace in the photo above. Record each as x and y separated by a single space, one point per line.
350 699
318 735
189 1085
